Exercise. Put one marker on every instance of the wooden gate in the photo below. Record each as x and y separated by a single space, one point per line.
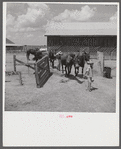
42 71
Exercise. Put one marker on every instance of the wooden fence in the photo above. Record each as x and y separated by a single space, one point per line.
9 73
109 52
42 71
15 60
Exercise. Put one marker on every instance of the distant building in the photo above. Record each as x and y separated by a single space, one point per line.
73 37
12 47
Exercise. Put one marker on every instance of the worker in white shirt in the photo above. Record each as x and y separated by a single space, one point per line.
89 74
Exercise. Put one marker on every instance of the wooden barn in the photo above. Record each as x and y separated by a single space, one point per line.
93 37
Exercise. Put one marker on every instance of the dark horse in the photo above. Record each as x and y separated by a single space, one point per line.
67 61
37 54
79 61
52 57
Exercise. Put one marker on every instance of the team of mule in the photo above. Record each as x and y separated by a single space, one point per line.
66 61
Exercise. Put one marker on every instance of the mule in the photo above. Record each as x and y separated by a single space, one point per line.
31 51
67 61
79 61
38 54
52 57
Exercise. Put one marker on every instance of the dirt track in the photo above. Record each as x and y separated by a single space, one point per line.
59 94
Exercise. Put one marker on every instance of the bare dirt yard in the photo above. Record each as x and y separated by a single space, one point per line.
59 94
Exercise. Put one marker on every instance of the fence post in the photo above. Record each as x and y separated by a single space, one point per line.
20 78
100 58
14 62
28 67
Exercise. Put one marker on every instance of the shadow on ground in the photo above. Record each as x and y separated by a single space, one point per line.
72 77
47 79
80 76
93 88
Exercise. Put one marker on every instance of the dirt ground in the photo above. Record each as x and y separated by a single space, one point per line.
59 94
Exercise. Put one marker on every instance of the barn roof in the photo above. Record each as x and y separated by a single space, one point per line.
83 28
13 45
9 41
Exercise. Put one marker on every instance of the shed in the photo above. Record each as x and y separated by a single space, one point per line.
12 47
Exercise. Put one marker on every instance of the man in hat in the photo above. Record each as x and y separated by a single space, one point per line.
89 74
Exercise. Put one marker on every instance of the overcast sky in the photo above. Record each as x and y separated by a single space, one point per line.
26 23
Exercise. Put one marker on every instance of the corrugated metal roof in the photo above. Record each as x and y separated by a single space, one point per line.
93 28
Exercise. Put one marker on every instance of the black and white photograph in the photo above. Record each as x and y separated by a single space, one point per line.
61 58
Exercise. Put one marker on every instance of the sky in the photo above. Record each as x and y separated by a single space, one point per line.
26 23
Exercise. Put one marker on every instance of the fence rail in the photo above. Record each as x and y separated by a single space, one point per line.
21 63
